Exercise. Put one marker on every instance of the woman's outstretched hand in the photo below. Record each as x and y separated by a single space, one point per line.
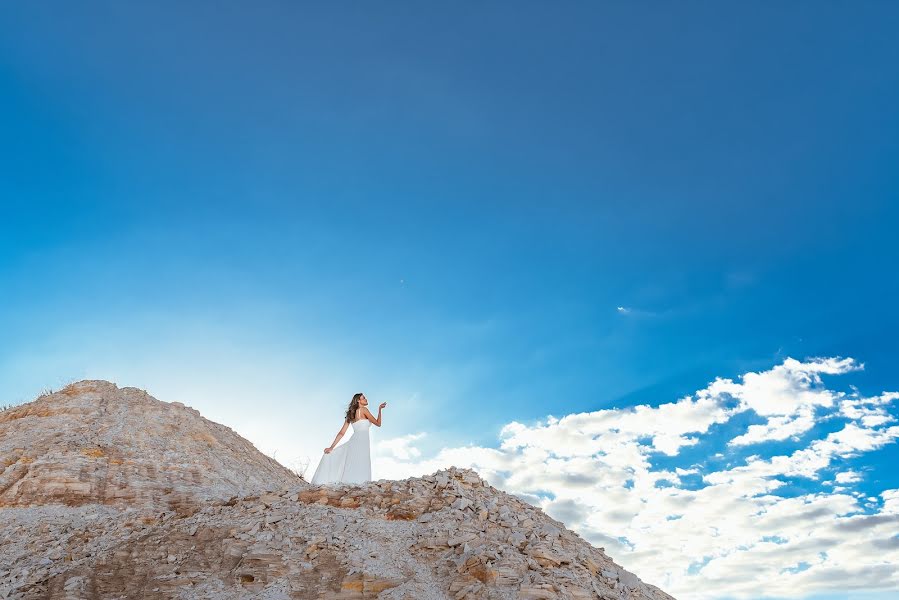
383 404
327 451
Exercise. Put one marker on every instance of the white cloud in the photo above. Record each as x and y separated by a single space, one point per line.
847 477
401 448
723 531
788 395
777 428
890 502
638 312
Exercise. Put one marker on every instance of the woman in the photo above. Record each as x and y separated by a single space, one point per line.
351 462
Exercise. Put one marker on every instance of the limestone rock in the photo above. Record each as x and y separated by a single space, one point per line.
94 443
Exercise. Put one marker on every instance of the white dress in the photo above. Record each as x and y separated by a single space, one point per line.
349 462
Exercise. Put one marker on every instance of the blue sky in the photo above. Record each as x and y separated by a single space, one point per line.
480 214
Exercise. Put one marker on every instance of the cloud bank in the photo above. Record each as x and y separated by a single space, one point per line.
744 489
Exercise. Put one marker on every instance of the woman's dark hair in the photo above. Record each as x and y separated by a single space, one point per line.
354 405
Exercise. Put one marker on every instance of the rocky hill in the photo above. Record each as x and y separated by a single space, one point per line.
109 493
93 443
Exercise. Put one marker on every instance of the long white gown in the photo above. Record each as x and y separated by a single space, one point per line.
349 462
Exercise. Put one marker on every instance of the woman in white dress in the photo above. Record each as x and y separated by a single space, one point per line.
351 462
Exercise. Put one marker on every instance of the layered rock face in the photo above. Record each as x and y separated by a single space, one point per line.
93 443
241 526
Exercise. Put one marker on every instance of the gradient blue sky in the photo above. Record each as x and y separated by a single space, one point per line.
479 213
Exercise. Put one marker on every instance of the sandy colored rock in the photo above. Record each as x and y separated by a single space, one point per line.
109 493
94 443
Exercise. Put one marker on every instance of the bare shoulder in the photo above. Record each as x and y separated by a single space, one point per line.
367 413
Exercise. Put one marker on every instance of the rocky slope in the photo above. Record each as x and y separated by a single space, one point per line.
109 493
93 443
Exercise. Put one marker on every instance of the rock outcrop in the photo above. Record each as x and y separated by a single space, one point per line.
214 518
94 443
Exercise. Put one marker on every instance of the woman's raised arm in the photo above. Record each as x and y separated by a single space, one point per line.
372 418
